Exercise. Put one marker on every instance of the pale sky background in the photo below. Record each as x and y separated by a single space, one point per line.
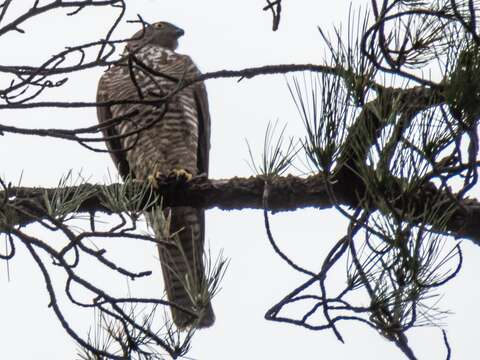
219 35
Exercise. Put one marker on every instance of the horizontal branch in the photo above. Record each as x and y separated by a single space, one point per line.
59 4
286 193
246 73
24 205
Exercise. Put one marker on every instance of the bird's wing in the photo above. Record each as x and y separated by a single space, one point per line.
201 101
104 114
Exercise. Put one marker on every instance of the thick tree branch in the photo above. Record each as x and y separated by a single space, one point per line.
25 205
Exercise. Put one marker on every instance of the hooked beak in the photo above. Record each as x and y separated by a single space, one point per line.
179 32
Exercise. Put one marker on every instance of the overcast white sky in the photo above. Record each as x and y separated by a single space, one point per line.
219 35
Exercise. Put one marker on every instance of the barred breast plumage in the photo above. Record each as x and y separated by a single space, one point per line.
178 139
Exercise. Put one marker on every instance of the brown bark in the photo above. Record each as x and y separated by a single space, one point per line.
25 205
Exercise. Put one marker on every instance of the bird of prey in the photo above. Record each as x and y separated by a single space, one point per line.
149 137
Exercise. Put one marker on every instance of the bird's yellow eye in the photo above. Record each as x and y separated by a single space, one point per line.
158 25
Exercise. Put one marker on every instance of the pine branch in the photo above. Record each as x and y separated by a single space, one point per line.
23 205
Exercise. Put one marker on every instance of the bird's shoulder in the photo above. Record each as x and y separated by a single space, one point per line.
156 58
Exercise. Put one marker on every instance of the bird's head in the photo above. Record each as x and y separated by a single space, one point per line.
161 33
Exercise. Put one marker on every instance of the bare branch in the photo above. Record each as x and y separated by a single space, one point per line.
276 8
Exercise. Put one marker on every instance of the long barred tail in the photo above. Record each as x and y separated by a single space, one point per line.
183 268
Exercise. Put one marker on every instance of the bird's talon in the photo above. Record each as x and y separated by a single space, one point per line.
152 181
181 174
